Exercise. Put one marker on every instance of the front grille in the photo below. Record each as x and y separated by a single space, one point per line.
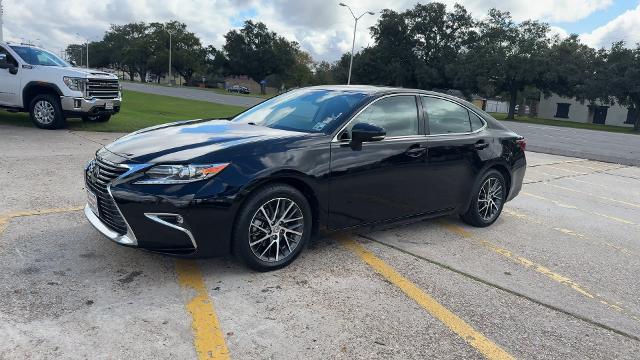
103 88
99 174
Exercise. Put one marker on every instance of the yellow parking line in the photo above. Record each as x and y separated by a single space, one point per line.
529 264
485 346
569 171
608 187
5 218
518 215
613 218
594 195
207 332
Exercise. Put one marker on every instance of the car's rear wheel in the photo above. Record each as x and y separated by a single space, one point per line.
488 200
46 113
272 227
96 118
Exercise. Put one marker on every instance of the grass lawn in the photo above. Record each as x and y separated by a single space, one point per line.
569 124
216 90
140 110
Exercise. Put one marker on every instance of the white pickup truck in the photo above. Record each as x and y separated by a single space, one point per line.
36 81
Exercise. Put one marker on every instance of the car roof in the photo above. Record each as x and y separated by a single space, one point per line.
373 90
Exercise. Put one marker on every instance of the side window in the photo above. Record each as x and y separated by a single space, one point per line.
398 115
8 56
476 122
445 117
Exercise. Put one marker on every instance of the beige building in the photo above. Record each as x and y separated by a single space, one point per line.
561 108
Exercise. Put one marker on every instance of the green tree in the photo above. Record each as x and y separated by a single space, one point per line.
507 57
258 52
622 73
440 37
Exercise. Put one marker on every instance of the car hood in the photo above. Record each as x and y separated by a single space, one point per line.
83 73
186 140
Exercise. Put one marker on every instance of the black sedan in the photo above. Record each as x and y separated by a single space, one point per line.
323 158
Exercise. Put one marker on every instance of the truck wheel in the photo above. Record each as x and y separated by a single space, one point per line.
46 113
96 118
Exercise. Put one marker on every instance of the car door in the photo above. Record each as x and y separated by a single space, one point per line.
9 83
379 180
455 142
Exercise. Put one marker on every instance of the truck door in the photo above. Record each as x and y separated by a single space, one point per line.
9 83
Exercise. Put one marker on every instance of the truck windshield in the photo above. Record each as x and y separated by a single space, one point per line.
305 110
34 56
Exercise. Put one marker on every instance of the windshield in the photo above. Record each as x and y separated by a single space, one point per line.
304 110
34 56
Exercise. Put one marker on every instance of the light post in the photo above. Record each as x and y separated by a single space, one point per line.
355 27
168 32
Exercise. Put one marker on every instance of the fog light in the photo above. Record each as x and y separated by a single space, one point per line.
77 103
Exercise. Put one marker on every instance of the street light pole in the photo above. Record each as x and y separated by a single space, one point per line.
169 58
353 42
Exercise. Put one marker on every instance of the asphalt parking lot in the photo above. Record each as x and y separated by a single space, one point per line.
554 277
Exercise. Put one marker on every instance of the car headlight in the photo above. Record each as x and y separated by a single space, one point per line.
75 84
180 174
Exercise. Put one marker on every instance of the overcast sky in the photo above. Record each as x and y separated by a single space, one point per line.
321 26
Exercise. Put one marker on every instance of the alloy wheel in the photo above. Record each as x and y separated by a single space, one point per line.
490 198
44 112
276 229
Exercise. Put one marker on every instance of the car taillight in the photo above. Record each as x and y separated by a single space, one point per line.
522 143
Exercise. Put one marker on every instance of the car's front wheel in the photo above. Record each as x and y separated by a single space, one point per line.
488 200
272 227
46 112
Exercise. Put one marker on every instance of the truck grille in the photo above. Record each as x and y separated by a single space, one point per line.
99 174
103 88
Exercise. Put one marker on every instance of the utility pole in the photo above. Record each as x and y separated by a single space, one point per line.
1 14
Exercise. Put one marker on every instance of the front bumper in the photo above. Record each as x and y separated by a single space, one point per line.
81 106
127 239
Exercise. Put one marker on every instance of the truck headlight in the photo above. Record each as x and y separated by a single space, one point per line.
180 174
75 84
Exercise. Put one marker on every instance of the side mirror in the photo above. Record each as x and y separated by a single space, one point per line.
4 64
364 132
73 63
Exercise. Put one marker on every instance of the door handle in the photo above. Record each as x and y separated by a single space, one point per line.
481 144
416 151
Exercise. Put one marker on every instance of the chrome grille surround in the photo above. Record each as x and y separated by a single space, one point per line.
98 177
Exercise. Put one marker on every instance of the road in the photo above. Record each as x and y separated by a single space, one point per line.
588 144
193 94
554 277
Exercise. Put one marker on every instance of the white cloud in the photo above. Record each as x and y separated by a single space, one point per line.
624 27
320 26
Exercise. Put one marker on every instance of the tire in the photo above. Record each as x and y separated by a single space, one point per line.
478 214
265 247
96 118
45 112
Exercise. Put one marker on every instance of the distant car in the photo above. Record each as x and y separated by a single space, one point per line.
330 157
239 89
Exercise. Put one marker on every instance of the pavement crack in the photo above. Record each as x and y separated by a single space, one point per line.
504 289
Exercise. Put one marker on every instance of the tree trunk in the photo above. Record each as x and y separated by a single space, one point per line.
513 97
636 123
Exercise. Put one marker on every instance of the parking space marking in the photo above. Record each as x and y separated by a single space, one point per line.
567 206
608 187
593 195
208 337
485 346
6 218
529 264
518 215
